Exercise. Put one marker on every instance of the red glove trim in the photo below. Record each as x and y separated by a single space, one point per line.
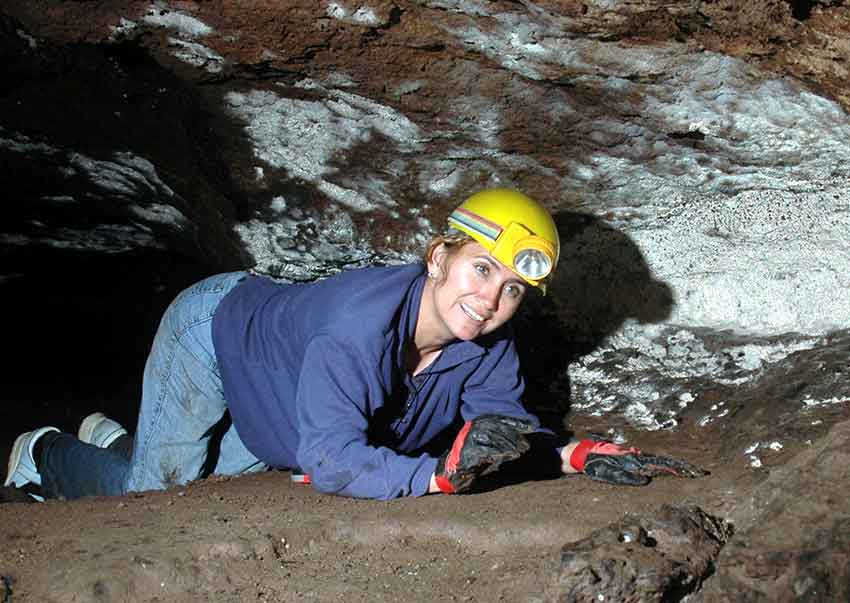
585 447
444 484
579 454
454 455
452 459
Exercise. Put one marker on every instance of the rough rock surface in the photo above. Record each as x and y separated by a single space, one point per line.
663 557
792 548
694 154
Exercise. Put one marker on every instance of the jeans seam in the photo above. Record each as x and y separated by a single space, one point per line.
177 335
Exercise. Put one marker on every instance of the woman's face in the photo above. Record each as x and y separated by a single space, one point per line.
473 293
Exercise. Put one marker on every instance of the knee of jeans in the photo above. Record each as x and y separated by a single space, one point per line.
170 474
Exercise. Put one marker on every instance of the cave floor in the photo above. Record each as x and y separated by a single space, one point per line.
262 537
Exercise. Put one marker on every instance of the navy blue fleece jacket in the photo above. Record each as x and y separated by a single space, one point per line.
314 377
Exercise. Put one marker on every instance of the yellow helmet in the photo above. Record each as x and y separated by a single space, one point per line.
514 229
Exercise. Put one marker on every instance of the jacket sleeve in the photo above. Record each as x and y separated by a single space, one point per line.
333 403
497 385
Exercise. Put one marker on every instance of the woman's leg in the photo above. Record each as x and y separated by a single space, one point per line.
70 468
182 397
182 401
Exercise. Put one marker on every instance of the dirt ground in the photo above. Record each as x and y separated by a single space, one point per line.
263 538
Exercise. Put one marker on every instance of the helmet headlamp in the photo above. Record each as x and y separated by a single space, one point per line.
532 264
515 229
530 256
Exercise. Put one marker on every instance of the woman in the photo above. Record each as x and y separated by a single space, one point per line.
349 379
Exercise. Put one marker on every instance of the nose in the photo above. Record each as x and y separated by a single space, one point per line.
490 295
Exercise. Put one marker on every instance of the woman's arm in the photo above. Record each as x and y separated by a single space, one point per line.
566 453
333 402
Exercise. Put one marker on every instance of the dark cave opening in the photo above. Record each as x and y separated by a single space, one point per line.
79 326
800 9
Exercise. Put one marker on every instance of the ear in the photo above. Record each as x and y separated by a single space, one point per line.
437 260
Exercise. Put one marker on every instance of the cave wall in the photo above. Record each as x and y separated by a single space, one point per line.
694 154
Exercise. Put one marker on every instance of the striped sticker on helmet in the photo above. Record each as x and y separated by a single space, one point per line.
473 221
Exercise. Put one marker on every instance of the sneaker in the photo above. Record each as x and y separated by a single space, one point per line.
22 470
99 430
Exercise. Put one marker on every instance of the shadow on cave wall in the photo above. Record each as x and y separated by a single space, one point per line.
602 280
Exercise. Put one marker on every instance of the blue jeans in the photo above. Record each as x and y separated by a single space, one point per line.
182 403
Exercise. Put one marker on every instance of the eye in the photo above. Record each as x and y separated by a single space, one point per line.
482 269
514 291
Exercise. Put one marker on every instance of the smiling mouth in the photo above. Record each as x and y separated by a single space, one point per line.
471 313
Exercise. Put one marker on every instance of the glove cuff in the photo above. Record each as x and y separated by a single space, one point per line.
579 454
447 465
444 484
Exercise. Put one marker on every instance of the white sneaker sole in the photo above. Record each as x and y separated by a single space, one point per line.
90 425
22 446
15 458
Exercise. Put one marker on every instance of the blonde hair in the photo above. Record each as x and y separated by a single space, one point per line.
453 241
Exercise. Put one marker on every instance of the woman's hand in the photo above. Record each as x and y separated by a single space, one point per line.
481 446
611 463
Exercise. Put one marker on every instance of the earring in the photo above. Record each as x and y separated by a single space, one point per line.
430 274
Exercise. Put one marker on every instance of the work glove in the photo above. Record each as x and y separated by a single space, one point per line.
608 462
480 447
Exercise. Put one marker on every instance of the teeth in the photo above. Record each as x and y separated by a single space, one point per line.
471 313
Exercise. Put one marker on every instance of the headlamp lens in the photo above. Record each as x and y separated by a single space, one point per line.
532 263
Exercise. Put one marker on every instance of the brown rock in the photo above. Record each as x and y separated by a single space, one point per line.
656 558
